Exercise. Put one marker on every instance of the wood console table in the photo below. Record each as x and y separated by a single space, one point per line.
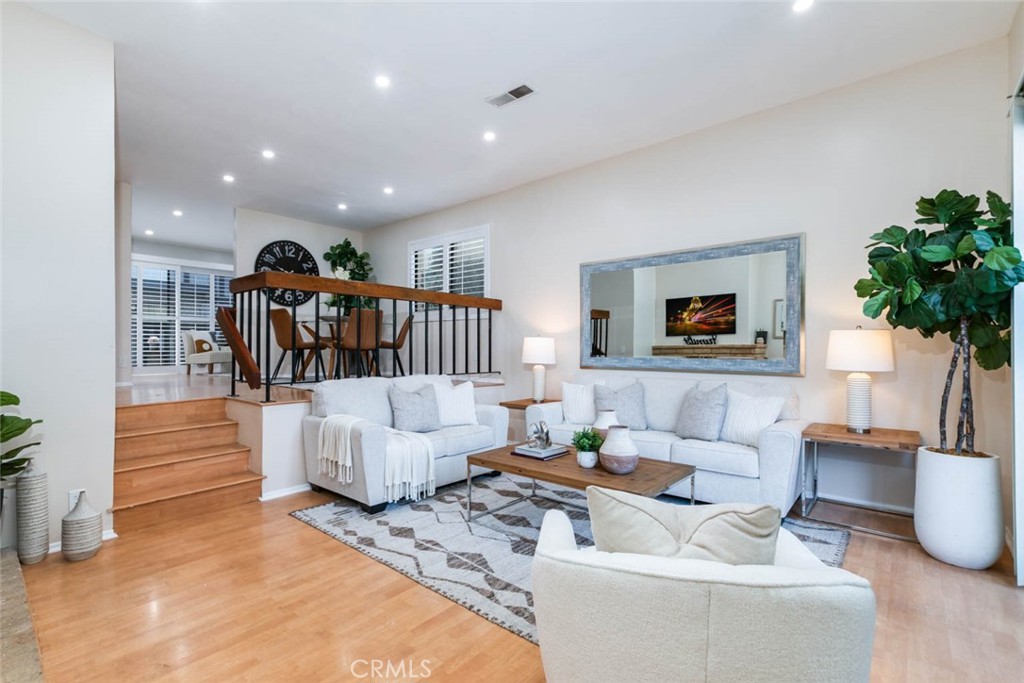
892 440
758 351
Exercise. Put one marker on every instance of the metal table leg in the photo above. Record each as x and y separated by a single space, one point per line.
469 492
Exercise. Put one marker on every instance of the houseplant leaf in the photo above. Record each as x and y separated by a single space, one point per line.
1002 258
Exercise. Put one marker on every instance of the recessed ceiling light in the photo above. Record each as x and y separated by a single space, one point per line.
389 190
268 154
229 178
802 5
177 213
149 232
489 136
342 207
382 82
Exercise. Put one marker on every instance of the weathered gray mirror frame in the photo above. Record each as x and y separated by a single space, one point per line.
791 364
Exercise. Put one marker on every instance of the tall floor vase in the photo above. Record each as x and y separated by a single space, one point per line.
33 514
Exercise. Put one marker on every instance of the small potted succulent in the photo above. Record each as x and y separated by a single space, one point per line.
586 442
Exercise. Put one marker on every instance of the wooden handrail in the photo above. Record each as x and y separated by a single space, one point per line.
328 285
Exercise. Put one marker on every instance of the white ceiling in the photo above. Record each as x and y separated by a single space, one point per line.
202 87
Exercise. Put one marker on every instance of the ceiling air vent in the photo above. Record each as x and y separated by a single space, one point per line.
510 96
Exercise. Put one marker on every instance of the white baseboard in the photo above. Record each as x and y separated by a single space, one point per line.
281 493
108 535
884 507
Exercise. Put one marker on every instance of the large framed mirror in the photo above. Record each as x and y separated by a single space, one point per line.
729 308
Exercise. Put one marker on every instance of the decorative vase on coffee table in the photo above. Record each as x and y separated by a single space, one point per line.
33 514
619 454
81 531
605 419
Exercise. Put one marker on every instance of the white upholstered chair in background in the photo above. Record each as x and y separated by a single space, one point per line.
200 349
639 618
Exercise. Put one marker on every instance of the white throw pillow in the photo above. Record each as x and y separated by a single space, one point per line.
578 403
747 416
455 405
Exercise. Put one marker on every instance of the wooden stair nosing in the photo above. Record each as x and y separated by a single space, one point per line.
181 491
171 428
187 455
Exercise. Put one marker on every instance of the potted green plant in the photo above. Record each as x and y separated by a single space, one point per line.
12 461
955 280
348 263
587 443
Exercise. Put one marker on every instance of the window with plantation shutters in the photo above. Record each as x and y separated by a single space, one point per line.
167 299
456 263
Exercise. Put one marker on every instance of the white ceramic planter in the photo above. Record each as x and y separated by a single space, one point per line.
586 459
958 508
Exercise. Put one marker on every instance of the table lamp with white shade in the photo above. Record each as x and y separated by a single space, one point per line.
539 351
859 352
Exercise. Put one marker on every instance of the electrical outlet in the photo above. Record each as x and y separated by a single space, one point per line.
73 498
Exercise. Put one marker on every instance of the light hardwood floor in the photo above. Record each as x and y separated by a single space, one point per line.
251 594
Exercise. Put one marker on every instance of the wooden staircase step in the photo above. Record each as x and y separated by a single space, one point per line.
156 440
220 493
169 413
156 479
184 490
150 461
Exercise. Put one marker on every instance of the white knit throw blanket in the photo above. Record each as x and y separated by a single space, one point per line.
408 458
408 466
336 446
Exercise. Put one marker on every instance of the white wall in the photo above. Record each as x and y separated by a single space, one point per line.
255 229
122 282
838 167
1016 42
58 248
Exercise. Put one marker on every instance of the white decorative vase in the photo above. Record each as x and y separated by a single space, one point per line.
605 419
586 459
81 531
33 514
619 455
958 508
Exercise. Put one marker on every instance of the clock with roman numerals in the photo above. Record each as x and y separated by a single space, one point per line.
287 257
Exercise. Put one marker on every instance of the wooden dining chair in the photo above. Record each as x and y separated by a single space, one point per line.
361 340
398 343
281 321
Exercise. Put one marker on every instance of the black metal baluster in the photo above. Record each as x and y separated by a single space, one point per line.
465 331
426 340
316 337
295 350
258 338
455 340
266 291
394 337
338 336
412 335
235 367
359 336
440 339
478 340
490 340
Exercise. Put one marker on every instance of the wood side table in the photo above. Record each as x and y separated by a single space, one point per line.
892 440
524 403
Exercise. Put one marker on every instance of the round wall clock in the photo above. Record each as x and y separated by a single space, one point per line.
287 257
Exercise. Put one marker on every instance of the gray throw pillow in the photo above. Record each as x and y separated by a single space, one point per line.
703 413
415 411
628 404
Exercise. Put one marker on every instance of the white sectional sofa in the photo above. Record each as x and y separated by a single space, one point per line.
367 397
726 472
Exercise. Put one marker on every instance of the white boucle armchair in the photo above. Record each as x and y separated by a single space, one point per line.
639 618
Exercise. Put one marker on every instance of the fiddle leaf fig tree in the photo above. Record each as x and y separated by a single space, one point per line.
12 462
953 280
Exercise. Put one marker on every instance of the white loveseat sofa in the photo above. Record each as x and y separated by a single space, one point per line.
367 397
726 472
627 617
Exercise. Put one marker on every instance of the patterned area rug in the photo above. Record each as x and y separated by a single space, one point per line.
485 565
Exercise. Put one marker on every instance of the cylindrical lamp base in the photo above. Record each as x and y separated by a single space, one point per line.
858 402
539 381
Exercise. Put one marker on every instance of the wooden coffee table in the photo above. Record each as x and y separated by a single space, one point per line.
650 478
